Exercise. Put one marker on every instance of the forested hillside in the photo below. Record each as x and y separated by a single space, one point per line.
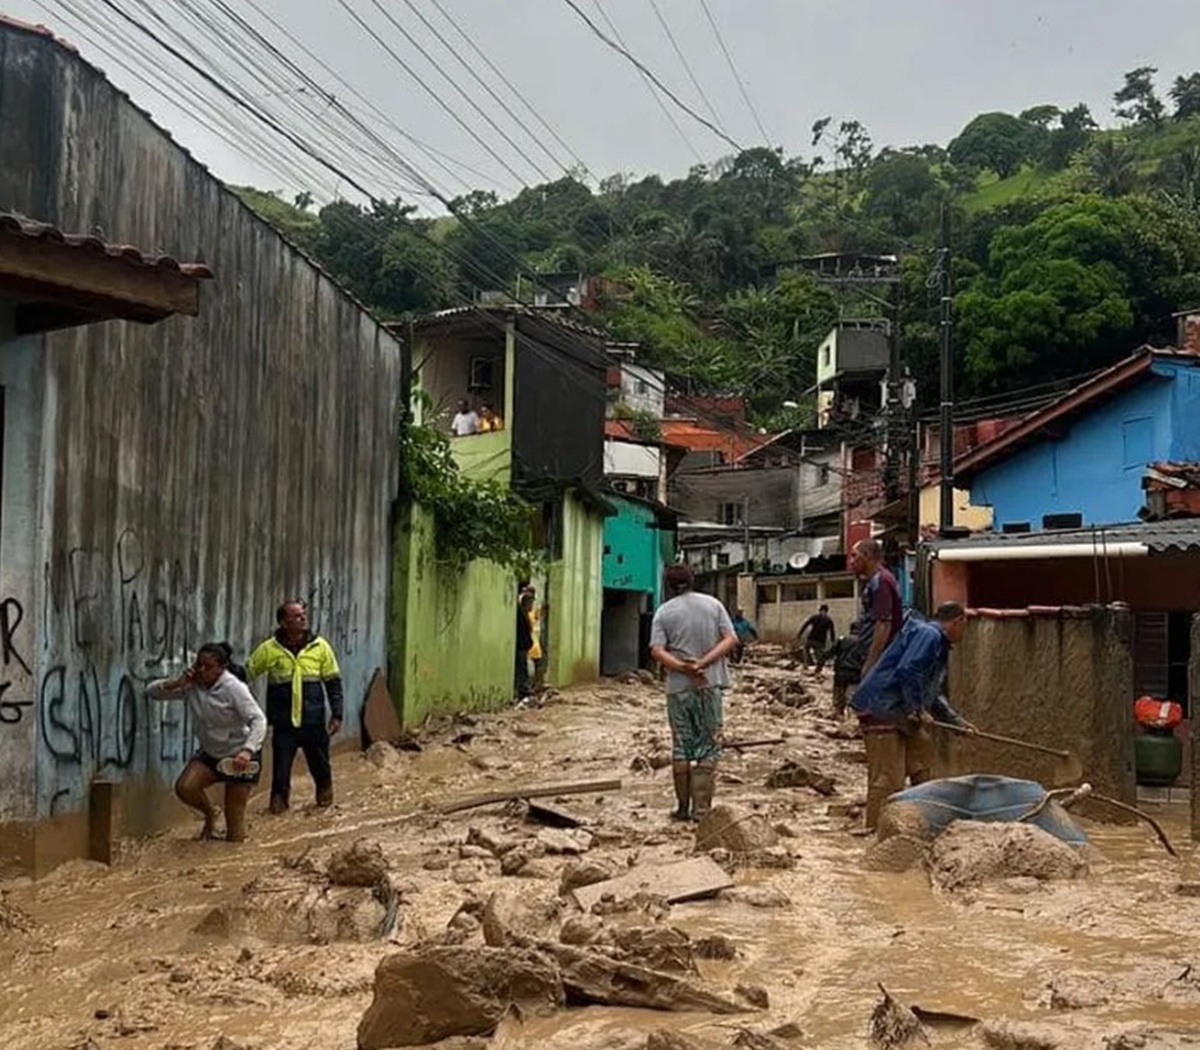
1074 244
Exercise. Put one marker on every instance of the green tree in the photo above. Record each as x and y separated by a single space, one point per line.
903 191
1112 167
1137 101
1074 131
1185 93
999 142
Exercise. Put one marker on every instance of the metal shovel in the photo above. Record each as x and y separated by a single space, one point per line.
1067 770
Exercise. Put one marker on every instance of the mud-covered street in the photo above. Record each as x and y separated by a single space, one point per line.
187 944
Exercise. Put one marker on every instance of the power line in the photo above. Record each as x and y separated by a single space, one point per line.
733 69
684 62
485 85
454 84
507 83
645 71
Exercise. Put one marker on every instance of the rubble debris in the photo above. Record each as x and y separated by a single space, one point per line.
894 1024
666 1039
736 829
971 852
383 755
662 948
788 1030
512 919
580 930
1067 991
592 978
435 993
362 864
496 845
679 881
903 818
794 774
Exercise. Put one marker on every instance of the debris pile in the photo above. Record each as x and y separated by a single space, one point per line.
970 852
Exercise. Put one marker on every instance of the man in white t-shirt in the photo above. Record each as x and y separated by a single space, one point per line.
465 421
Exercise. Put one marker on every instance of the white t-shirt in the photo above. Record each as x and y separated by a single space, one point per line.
464 423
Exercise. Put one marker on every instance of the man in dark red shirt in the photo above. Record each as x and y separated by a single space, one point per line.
882 613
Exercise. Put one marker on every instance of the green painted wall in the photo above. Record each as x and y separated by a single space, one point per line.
485 457
577 597
632 548
453 632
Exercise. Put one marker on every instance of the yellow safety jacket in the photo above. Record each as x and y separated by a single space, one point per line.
298 683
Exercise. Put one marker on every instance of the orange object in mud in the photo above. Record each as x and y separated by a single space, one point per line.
1162 714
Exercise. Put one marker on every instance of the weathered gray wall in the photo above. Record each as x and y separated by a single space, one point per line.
1063 680
189 475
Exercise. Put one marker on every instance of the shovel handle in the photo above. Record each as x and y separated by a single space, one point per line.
1005 740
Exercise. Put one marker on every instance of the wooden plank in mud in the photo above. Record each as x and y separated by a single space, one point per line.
684 880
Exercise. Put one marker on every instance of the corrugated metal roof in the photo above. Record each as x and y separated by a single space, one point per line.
549 315
13 224
1161 537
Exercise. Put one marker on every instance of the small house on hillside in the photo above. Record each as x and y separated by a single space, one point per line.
545 378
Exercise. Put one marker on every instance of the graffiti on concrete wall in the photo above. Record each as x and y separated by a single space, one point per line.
15 672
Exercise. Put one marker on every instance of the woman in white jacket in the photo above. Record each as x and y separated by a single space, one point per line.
229 727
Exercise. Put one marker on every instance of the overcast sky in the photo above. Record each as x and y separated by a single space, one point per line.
912 71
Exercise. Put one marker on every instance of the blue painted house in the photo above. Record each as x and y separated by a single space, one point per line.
1084 456
639 542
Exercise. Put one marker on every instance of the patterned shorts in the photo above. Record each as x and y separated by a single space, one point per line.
696 717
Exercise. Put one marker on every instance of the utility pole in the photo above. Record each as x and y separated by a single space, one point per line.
893 411
946 415
746 535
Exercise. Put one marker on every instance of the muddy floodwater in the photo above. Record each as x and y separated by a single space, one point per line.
152 953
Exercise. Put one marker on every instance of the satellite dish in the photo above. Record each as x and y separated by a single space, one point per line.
799 561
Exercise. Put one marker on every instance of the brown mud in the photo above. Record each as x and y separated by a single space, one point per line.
268 945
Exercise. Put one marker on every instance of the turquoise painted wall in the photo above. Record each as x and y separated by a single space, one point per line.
577 596
633 549
454 630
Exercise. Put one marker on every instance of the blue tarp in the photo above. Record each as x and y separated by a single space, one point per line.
986 797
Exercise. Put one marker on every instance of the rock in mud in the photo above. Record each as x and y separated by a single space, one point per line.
969 853
897 854
362 864
1075 992
497 845
903 818
581 930
665 1039
424 996
893 1024
519 919
565 841
384 756
580 873
755 995
759 896
717 946
736 829
798 775
1013 1035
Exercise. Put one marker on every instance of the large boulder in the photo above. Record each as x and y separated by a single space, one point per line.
439 992
735 829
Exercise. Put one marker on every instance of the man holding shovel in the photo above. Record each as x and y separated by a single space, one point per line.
691 636
898 698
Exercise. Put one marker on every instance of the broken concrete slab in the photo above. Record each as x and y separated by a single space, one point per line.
436 993
564 841
679 881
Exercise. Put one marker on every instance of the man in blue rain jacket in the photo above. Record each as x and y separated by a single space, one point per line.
897 699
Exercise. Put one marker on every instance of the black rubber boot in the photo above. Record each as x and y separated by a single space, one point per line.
704 779
683 792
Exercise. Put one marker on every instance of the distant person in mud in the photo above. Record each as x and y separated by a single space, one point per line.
691 636
745 632
302 675
525 645
229 727
880 618
820 630
898 699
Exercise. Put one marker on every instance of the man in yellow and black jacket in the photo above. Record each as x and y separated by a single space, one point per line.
302 673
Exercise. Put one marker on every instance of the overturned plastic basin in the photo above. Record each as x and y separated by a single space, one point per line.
937 804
